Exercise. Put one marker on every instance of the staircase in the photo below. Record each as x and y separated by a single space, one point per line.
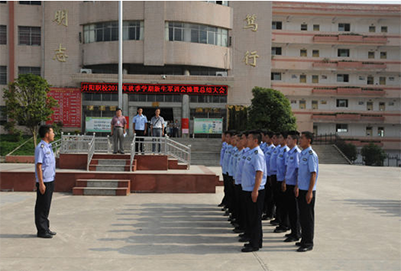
328 154
100 187
204 151
111 162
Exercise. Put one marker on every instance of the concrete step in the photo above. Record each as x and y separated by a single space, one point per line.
109 165
328 154
102 187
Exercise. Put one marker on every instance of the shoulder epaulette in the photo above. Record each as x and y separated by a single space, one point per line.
310 152
42 146
256 151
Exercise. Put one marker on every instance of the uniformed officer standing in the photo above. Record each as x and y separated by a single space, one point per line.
226 159
288 185
268 208
45 172
118 126
273 177
157 128
139 126
253 183
281 169
230 172
222 151
308 173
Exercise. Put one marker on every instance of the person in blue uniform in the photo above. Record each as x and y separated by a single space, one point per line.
269 206
273 176
45 172
222 151
253 184
237 187
139 126
305 191
227 184
230 172
281 169
288 185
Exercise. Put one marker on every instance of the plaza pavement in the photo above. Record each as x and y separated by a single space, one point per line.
358 227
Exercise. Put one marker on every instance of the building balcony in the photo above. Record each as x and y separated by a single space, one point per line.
325 64
325 38
347 117
348 91
372 118
352 38
350 64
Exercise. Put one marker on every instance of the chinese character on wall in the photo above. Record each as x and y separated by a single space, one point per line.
250 58
61 17
250 22
60 54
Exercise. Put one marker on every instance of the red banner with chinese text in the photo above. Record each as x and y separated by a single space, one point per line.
69 111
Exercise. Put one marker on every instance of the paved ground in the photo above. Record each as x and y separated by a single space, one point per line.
358 227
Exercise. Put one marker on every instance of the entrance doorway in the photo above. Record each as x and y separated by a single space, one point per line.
166 113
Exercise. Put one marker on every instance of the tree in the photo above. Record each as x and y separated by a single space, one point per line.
373 155
349 150
238 118
271 110
27 102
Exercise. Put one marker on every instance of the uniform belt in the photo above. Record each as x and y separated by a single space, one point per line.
157 128
118 127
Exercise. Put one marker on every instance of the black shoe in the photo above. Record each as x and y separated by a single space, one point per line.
304 249
249 249
114 152
275 222
265 217
291 239
298 244
248 245
220 205
227 213
241 235
288 235
235 225
122 152
51 232
45 235
280 229
238 230
244 239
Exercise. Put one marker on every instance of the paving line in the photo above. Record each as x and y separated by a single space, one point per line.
262 264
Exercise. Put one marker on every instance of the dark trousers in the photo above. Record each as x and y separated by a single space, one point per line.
156 132
269 206
231 193
291 205
118 135
139 145
307 217
42 207
284 221
254 217
243 212
225 182
237 202
275 193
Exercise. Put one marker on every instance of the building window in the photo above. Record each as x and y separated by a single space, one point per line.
276 51
344 27
3 34
276 76
108 31
3 75
382 106
196 33
29 35
277 25
302 78
342 103
343 52
343 78
29 70
304 27
369 106
372 29
341 128
315 53
370 80
303 53
223 3
384 29
371 54
380 131
302 104
382 80
315 79
383 55
314 105
316 27
369 131
36 3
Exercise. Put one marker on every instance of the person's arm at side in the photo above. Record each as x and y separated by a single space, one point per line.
258 181
42 187
309 194
146 126
112 129
163 128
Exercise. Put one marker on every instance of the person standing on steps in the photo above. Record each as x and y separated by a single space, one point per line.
157 128
118 128
140 126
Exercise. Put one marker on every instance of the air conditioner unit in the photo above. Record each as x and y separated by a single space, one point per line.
86 71
221 73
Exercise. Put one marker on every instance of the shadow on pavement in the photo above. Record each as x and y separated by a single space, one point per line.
384 207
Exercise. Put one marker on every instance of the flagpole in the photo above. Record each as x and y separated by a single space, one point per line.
120 54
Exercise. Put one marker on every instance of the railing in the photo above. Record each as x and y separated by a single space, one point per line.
132 154
179 151
91 151
75 143
56 146
332 139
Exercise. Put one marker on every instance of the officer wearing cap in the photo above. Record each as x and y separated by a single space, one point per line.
140 126
118 126
288 185
253 183
305 191
45 172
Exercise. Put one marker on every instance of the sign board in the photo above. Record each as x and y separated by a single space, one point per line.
98 124
208 126
70 110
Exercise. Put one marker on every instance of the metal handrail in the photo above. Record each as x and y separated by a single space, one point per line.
91 151
132 154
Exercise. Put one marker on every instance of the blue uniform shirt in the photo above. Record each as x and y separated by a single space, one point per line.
273 160
308 162
230 169
140 121
226 159
223 149
240 165
263 146
292 162
268 153
281 167
44 155
253 163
